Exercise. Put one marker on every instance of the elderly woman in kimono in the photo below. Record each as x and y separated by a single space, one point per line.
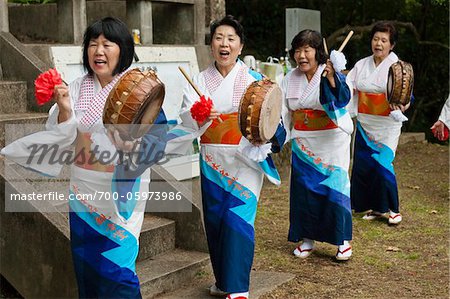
320 128
230 181
104 230
373 182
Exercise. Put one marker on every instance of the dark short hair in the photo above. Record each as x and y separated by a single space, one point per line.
385 26
230 21
115 31
310 38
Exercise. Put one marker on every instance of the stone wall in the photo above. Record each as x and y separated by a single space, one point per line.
172 23
33 22
214 10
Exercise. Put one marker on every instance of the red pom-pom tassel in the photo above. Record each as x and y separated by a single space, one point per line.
201 109
45 84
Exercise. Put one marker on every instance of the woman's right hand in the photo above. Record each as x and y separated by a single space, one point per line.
213 115
62 99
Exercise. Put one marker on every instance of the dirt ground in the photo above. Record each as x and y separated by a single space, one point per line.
406 261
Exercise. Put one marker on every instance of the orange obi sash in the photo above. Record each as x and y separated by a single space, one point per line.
85 158
225 132
373 103
312 120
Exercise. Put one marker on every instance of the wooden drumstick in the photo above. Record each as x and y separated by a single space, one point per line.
190 81
344 43
194 86
325 46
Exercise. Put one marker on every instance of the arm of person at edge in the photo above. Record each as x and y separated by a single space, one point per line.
438 128
440 125
143 153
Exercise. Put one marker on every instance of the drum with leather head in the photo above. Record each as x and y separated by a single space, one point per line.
134 103
400 83
260 111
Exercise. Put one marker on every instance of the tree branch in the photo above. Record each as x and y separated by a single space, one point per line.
339 35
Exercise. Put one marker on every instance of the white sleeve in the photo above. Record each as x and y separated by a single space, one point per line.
445 113
285 113
190 96
352 106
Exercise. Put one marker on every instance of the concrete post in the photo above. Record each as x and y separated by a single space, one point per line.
215 10
199 20
139 16
298 19
71 20
4 21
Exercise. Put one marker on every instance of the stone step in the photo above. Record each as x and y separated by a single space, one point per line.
30 118
406 137
157 236
167 272
261 282
13 96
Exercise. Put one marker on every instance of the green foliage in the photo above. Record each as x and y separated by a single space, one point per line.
32 1
264 23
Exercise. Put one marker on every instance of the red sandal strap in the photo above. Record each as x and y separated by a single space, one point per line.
304 250
345 250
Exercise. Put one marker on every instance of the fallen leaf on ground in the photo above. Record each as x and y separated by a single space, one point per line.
392 248
414 187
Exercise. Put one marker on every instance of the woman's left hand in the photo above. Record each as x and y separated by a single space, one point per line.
401 107
330 73
125 146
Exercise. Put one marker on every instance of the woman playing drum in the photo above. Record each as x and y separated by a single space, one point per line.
105 230
320 127
373 182
230 182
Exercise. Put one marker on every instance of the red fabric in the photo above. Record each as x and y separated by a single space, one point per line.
45 84
201 109
445 137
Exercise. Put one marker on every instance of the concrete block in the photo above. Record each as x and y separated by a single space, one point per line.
19 63
71 20
173 23
13 97
140 16
19 118
298 19
261 282
4 20
406 137
34 247
36 22
157 236
167 272
97 10
42 51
